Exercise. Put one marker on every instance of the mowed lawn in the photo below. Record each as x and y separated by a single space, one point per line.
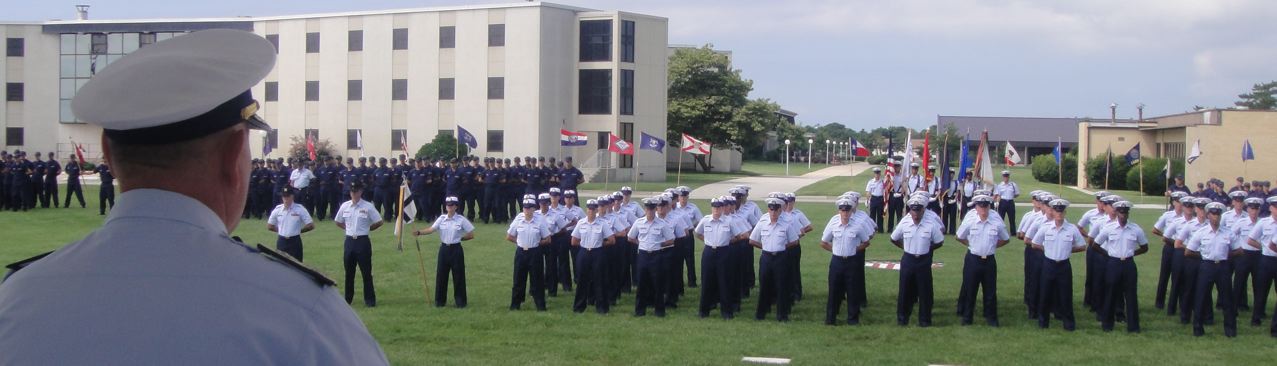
695 177
413 333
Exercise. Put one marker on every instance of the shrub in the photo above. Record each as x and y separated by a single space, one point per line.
1044 169
1116 174
297 149
877 159
444 147
1154 175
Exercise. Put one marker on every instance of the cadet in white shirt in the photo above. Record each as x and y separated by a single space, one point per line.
162 281
1032 258
1093 290
653 235
589 237
1058 240
1179 286
748 213
289 220
357 218
572 212
452 229
528 232
918 238
863 219
671 257
796 253
845 237
556 252
875 189
774 235
300 179
1005 193
979 268
631 211
1214 244
1262 237
1121 240
1245 265
719 288
1168 249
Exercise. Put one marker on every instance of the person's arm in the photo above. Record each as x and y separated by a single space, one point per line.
897 237
339 218
964 232
1004 237
427 231
1143 240
938 235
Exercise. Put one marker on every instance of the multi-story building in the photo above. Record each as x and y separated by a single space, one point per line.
512 75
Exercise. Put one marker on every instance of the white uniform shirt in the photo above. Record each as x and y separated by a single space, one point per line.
678 224
875 187
752 212
1214 245
739 222
1037 226
572 213
1084 223
917 238
982 236
651 234
1164 220
552 219
592 233
1027 220
357 217
1172 227
774 236
718 232
1097 224
1121 241
1241 229
289 221
528 232
1006 190
301 178
162 281
1058 242
844 238
971 216
1230 216
1186 230
1263 232
451 229
619 223
691 213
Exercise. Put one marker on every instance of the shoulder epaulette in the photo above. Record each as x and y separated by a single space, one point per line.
286 259
19 265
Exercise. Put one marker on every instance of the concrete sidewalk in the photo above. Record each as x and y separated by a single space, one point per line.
762 184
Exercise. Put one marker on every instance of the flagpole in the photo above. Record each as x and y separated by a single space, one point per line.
399 220
635 166
607 164
421 263
1141 168
679 179
1059 166
1108 165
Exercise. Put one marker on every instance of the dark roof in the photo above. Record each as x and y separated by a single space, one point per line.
1015 129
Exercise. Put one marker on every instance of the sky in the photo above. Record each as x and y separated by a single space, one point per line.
871 63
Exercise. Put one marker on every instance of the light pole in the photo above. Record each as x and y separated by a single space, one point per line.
809 141
786 156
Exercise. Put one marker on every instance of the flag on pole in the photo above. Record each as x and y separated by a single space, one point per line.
1133 155
572 138
858 149
1196 152
693 146
1012 157
403 141
617 145
984 167
926 156
467 138
649 142
964 157
79 152
1167 170
359 141
409 208
265 145
1058 152
945 175
1108 165
906 163
1248 153
310 147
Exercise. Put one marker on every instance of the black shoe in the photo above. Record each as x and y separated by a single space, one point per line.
759 317
514 307
1159 306
640 313
692 284
783 319
1198 332
728 315
853 321
965 322
902 323
461 305
924 324
1255 322
702 315
372 304
993 323
660 314
830 322
541 308
578 311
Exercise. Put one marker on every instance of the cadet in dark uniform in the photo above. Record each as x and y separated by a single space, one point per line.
492 178
106 195
417 184
452 229
469 172
283 178
4 179
51 171
381 184
366 176
532 175
1214 244
37 182
1120 241
570 177
73 183
357 218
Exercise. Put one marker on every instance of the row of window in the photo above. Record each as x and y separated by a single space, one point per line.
595 92
596 40
398 39
14 47
495 142
13 92
398 89
13 136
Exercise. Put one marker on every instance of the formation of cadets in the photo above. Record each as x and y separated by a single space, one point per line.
27 183
1217 242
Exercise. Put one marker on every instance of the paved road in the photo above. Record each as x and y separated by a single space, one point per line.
763 184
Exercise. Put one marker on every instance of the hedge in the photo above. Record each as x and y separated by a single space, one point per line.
1045 170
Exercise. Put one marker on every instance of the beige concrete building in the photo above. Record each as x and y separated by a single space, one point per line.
511 74
1221 133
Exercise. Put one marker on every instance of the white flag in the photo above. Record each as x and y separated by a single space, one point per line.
1196 152
1012 157
907 161
407 211
359 141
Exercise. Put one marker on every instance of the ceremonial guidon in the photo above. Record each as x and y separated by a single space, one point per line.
163 272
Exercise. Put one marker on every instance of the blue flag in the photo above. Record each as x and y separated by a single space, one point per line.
266 144
650 142
467 138
964 157
1059 153
1133 155
1248 153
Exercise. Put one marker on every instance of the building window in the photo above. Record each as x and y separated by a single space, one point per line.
627 41
98 44
312 42
13 92
14 47
13 136
496 87
313 133
147 39
355 39
272 91
448 37
447 88
595 92
496 141
353 138
602 140
627 134
596 40
496 35
397 138
312 91
354 90
272 138
399 89
627 92
399 39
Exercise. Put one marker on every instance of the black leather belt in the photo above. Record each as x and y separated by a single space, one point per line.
356 237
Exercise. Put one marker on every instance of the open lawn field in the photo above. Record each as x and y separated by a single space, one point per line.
486 333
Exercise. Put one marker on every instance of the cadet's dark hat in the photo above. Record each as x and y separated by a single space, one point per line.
362 159
507 160
540 158
357 186
382 160
568 159
286 191
451 201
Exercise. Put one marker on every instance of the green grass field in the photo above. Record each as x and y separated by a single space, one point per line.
694 178
413 333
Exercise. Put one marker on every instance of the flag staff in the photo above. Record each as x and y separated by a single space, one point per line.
1059 164
678 180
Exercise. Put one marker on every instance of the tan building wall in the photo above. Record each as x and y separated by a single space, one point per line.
1096 138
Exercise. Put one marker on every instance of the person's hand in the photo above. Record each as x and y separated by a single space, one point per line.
417 233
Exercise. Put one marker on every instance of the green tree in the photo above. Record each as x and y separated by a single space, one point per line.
1044 169
705 97
1261 96
297 149
1095 173
1154 175
444 146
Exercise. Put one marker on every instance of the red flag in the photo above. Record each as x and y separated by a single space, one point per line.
926 155
79 152
619 146
310 147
